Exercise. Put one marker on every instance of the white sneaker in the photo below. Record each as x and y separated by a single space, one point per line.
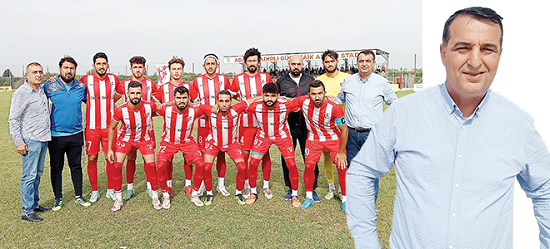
166 203
156 204
197 201
223 190
94 196
116 206
246 191
267 193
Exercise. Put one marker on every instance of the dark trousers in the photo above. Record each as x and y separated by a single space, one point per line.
298 134
58 148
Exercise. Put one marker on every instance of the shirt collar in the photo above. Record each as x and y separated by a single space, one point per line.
451 106
361 79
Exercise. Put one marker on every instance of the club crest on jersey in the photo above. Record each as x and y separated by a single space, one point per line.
327 115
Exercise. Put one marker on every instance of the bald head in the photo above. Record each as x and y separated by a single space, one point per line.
295 64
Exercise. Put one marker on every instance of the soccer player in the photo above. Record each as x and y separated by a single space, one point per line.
332 80
272 118
137 66
207 87
248 85
223 137
327 132
165 94
100 106
136 117
179 119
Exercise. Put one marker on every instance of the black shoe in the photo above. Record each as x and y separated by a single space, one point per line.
31 217
42 209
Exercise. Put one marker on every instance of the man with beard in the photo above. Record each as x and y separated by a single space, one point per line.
327 132
293 85
249 85
272 118
136 117
137 66
207 87
165 94
100 106
179 119
224 120
332 80
66 96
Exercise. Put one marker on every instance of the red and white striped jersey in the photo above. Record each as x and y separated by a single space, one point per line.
321 120
249 87
136 124
148 87
179 126
165 92
100 102
207 89
224 127
272 121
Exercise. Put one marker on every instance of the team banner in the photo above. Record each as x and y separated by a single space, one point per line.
164 73
284 57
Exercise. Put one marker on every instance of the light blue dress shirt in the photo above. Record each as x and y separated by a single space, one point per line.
365 99
455 176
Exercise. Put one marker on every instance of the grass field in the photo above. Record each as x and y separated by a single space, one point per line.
224 224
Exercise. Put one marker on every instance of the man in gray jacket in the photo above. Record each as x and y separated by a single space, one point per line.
29 123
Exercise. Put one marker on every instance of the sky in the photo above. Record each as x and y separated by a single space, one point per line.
520 77
45 31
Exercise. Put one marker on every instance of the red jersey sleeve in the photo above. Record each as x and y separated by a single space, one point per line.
117 116
157 95
205 110
292 106
338 110
234 86
268 78
153 107
162 110
120 89
194 88
193 94
240 107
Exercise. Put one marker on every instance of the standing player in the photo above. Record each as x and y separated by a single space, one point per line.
179 119
223 137
100 106
272 117
248 85
327 132
137 66
164 94
136 118
332 80
207 87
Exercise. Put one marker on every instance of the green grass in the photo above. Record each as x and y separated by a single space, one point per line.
224 224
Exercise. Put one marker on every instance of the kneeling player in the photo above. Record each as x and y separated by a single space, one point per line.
223 137
178 126
327 131
272 116
136 118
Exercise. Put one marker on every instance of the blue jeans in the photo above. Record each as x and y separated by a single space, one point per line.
33 166
355 142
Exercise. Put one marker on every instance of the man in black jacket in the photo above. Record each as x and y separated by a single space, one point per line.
291 85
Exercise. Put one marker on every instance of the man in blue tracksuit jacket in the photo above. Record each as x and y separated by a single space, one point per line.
66 95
